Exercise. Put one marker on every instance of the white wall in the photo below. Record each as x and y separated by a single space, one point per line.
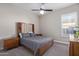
9 15
50 25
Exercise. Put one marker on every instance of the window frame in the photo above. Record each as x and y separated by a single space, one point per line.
76 23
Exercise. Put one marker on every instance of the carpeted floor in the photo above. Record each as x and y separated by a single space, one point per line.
56 50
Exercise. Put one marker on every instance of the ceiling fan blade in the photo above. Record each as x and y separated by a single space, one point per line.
35 9
48 10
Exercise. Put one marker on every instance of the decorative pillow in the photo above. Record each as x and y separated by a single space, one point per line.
25 35
20 34
32 34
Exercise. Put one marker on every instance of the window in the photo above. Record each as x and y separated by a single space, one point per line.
68 22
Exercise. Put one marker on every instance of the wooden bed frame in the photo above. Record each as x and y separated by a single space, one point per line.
41 50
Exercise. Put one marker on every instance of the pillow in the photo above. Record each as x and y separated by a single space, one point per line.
20 34
25 35
32 34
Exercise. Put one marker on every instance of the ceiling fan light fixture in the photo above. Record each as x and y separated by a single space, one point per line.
42 12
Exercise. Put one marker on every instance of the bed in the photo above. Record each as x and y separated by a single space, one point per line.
37 44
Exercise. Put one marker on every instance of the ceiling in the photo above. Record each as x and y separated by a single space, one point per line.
30 6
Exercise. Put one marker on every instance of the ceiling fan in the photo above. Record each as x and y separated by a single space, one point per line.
42 9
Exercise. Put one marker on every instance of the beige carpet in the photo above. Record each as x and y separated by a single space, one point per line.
56 50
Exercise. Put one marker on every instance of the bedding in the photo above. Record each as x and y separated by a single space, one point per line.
35 42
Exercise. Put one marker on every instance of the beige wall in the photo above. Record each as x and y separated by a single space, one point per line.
50 25
10 14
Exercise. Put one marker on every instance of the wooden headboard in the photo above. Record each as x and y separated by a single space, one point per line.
19 27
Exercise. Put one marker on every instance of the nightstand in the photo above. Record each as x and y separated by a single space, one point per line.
38 34
11 43
74 48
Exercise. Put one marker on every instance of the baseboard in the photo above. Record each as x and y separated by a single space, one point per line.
61 42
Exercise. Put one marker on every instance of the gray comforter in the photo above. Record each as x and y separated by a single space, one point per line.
35 42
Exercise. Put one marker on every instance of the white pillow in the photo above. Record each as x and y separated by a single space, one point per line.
20 34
